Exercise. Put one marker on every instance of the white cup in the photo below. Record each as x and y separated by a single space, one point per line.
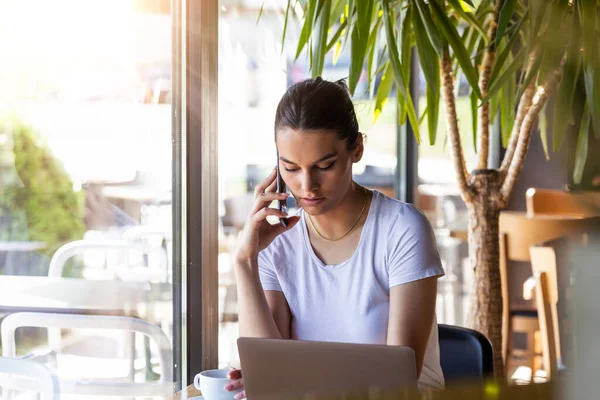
212 383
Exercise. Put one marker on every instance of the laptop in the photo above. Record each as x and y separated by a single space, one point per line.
276 368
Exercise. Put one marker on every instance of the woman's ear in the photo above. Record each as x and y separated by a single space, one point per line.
358 151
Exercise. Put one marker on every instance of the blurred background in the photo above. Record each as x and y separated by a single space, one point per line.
86 177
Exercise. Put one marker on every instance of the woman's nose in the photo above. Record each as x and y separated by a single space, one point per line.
309 183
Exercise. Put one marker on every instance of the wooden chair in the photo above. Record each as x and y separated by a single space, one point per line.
546 259
518 232
551 201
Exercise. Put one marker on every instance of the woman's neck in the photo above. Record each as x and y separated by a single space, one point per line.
336 222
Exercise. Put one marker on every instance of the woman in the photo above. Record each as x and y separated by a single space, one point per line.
352 265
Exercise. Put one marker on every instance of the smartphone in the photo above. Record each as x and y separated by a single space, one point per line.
281 204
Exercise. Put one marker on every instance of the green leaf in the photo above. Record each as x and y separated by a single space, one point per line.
285 24
383 92
591 59
337 12
370 66
320 42
306 27
432 31
407 37
474 108
262 6
372 48
349 17
509 73
499 63
469 18
581 153
565 95
429 59
423 115
401 84
430 64
538 10
592 89
358 47
554 42
336 36
363 8
433 107
506 13
451 35
543 127
507 110
530 75
469 2
320 5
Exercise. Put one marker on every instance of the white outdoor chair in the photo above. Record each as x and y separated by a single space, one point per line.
29 376
157 270
150 273
104 387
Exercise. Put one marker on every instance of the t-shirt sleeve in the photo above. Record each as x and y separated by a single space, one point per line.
266 271
412 249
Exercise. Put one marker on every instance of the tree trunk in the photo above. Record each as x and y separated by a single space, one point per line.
484 255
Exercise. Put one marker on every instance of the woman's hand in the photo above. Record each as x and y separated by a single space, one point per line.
238 383
258 233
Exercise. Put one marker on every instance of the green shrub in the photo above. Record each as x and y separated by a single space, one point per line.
40 201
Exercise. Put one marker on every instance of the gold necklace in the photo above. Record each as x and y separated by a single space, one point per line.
349 230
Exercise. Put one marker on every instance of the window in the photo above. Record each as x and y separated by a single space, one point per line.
254 73
86 175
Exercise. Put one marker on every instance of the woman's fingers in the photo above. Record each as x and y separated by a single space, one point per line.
264 199
263 213
234 373
241 395
272 187
235 385
260 188
291 221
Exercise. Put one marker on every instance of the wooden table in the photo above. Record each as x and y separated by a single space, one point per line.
543 391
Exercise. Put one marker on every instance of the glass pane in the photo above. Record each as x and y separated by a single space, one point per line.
85 192
439 198
254 73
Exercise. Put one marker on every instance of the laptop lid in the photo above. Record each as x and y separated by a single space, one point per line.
276 368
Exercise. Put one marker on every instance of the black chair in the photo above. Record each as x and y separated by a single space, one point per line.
465 355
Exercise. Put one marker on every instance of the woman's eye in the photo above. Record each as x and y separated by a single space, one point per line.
327 167
290 170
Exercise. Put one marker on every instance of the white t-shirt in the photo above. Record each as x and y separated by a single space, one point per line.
349 302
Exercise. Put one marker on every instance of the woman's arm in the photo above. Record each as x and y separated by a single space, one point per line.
255 316
412 311
263 314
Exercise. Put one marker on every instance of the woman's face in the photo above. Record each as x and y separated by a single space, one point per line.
316 167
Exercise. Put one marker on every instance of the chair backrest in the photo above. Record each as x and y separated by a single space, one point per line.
518 232
551 201
465 355
546 259
41 380
97 322
77 247
523 231
546 302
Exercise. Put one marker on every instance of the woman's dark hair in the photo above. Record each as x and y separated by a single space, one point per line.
317 104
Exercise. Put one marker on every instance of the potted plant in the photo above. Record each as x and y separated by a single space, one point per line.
514 54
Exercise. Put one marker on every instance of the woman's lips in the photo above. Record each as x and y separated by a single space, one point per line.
312 201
